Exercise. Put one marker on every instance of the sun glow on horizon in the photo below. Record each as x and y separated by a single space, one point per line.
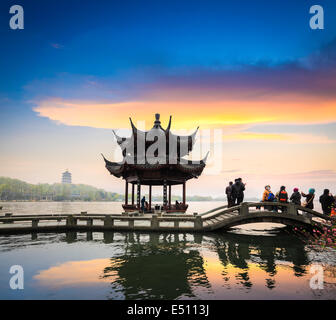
207 114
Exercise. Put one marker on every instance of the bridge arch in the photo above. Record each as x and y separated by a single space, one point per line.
279 219
291 215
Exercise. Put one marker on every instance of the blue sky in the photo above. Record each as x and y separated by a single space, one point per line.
107 38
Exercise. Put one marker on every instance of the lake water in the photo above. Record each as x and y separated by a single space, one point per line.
256 261
94 207
91 207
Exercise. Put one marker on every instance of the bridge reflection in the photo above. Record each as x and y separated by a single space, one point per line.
267 253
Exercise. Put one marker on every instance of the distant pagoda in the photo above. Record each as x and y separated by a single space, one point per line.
167 169
66 177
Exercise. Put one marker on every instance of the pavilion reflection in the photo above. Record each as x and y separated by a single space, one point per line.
162 268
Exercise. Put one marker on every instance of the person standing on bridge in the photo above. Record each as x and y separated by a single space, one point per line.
296 197
309 199
327 200
238 192
333 209
283 197
266 193
241 193
143 202
268 196
228 192
264 196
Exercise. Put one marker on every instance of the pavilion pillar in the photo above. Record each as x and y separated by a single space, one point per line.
150 197
138 194
184 193
126 192
169 196
165 193
132 194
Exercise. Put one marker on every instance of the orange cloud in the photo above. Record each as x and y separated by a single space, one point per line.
187 114
289 138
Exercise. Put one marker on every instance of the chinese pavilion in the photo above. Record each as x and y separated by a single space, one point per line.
165 167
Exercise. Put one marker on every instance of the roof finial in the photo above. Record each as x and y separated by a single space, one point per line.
157 122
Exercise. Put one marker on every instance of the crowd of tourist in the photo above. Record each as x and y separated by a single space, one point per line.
235 196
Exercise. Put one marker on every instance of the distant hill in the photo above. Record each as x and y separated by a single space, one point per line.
13 189
17 190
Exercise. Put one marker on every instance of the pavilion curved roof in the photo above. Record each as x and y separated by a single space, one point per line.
144 137
135 165
185 169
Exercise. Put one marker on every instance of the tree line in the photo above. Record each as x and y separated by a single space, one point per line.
17 190
14 189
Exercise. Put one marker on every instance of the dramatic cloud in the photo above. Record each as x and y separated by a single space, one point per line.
280 137
187 113
300 92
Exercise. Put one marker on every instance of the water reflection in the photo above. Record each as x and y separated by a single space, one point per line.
179 266
241 252
157 272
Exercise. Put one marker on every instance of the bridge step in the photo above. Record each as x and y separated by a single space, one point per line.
233 214
226 216
207 223
220 218
215 220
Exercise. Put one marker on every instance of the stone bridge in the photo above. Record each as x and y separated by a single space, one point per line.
221 218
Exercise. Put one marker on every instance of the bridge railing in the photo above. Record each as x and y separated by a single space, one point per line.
289 207
244 208
153 222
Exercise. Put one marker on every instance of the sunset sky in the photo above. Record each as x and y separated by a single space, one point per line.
252 70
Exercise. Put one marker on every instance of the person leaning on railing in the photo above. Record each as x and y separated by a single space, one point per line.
309 203
296 197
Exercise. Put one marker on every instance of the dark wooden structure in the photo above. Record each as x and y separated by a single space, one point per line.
155 158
